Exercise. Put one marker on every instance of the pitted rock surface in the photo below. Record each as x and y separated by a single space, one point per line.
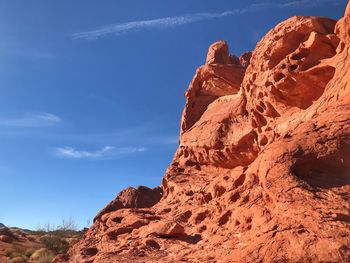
262 171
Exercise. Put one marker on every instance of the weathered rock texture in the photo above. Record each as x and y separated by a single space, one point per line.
262 172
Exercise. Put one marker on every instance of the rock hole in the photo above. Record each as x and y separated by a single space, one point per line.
259 109
184 216
191 163
234 198
186 153
293 67
303 53
344 251
253 77
91 251
293 39
219 190
200 217
254 124
327 172
189 193
262 105
166 210
152 244
117 219
263 141
113 235
208 197
268 83
202 228
240 180
342 217
278 76
260 119
271 111
245 199
225 218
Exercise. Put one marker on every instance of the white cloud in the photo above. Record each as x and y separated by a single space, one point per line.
31 120
105 152
168 22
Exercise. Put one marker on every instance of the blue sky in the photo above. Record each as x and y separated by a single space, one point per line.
92 93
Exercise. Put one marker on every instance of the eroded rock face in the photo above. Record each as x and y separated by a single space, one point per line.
295 68
221 75
262 172
140 197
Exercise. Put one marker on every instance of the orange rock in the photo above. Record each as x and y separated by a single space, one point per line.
152 244
221 75
262 170
169 229
130 197
6 239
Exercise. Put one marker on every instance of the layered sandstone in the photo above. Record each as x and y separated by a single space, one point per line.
262 172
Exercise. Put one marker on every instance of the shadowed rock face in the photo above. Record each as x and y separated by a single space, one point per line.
262 172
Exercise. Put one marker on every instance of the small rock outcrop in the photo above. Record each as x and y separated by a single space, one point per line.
6 239
140 197
262 171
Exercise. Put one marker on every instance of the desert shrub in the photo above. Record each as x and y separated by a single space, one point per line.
42 255
72 240
7 232
45 259
68 225
57 239
18 232
31 238
20 259
55 243
29 252
15 251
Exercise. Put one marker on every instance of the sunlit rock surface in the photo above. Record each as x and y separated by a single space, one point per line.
262 172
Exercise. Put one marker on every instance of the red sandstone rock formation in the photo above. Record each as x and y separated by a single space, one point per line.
141 197
6 239
262 172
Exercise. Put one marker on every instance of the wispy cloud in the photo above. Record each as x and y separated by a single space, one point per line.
157 133
169 22
105 152
31 120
